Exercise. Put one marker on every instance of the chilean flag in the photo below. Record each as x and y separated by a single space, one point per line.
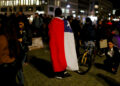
56 43
70 51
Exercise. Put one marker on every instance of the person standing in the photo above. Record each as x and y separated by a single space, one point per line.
37 25
88 34
25 39
56 43
70 51
75 25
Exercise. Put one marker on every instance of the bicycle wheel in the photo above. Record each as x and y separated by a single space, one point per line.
85 62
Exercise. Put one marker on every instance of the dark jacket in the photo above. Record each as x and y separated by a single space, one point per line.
115 59
27 39
88 33
75 25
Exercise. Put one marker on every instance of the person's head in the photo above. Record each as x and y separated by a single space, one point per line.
20 13
88 20
36 14
22 22
58 12
110 44
100 22
21 25
69 19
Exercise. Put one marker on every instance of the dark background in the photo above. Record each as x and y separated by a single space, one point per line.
116 3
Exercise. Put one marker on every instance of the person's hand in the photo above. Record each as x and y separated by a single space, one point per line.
20 40
78 33
113 69
21 31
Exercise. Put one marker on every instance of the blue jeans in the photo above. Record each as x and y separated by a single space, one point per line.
20 77
20 74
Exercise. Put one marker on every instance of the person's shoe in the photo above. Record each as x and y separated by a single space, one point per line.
114 71
58 77
66 74
79 72
62 75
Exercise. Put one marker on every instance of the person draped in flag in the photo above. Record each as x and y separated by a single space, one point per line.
56 43
70 52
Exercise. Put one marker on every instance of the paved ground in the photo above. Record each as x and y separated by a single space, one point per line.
39 73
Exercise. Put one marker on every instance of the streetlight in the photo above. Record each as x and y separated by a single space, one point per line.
67 9
96 6
68 6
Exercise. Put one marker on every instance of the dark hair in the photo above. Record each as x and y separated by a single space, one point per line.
58 12
68 18
88 19
110 40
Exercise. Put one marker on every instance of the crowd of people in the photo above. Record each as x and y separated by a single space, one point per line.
64 36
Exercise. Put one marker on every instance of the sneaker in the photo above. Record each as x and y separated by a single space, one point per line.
58 77
79 72
62 75
114 71
66 74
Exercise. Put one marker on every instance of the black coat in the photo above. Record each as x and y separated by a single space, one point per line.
88 33
115 59
27 39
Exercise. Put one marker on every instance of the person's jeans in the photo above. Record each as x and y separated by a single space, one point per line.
20 77
20 74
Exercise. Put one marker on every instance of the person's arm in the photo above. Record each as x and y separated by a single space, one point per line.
106 53
116 53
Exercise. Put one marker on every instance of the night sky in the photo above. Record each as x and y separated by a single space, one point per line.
116 3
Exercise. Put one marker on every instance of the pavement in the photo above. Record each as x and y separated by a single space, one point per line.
39 72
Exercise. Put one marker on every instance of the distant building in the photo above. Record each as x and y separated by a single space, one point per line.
83 9
69 7
94 9
100 7
26 6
